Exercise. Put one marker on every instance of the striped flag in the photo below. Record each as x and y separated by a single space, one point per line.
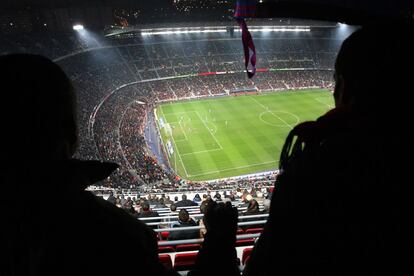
244 9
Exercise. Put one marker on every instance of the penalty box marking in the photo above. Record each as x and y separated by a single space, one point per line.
184 140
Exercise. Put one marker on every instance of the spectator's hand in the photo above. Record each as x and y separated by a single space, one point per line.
221 220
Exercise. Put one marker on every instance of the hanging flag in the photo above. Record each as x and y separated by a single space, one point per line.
245 9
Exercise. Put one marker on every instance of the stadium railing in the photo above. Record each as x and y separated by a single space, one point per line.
190 241
246 223
198 216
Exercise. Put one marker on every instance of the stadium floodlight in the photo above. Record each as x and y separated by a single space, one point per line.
78 27
172 31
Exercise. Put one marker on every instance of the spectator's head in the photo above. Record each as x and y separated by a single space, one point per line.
203 206
176 198
184 197
372 62
183 215
173 207
145 206
39 117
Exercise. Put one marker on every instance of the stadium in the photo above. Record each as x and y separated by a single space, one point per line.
132 78
172 105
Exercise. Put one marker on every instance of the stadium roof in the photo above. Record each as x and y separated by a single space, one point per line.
353 12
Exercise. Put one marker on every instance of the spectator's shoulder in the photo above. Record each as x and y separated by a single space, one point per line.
113 217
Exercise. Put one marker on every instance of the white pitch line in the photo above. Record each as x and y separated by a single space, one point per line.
176 147
182 112
236 168
202 151
181 140
318 99
271 112
185 135
214 137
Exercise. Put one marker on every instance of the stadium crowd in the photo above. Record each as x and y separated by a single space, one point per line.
111 122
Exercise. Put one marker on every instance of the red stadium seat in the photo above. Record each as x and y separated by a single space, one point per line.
165 249
164 235
240 232
165 259
247 260
185 261
246 254
245 242
187 247
254 230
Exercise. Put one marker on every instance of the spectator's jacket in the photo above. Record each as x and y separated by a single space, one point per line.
60 229
147 214
185 203
340 205
184 234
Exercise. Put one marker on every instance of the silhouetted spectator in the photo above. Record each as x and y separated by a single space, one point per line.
45 234
341 201
203 209
218 254
146 211
184 220
168 200
185 202
160 203
217 196
252 208
173 208
197 198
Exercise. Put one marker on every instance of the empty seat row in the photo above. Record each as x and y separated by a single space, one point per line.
186 261
182 261
179 248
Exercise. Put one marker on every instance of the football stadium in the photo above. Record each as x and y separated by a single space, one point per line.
200 137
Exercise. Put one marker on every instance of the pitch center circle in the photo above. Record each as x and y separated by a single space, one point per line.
279 118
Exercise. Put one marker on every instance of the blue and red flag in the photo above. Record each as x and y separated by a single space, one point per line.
245 9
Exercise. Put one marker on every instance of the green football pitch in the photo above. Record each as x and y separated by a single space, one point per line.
229 136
